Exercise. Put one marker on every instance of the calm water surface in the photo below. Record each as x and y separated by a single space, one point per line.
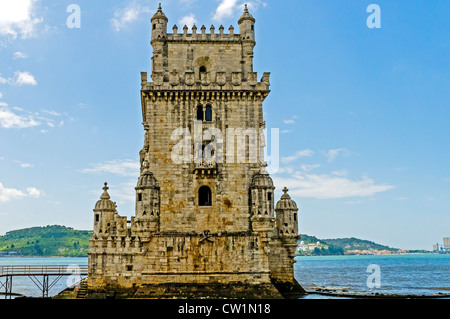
422 274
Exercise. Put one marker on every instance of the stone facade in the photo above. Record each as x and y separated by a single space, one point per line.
205 214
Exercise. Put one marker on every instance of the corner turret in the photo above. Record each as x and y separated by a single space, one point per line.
104 213
286 210
159 44
159 25
287 225
247 26
147 202
247 33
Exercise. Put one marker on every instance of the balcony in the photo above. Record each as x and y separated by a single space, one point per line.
205 169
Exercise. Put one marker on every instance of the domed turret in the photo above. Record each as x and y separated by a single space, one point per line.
247 25
286 211
262 194
105 204
159 25
147 197
263 180
147 180
104 210
286 202
247 33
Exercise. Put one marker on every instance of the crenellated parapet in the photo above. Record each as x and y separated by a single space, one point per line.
211 81
203 35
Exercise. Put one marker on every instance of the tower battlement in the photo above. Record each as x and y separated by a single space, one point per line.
203 35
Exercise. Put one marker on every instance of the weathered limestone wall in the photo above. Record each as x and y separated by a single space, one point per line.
180 258
179 186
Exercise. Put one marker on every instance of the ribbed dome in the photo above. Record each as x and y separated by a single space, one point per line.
246 16
105 203
147 180
286 202
262 179
159 14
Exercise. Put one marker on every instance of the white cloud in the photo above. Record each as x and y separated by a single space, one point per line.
326 186
33 192
309 167
120 167
297 155
51 112
24 78
128 15
20 78
225 9
124 192
19 55
291 120
333 154
17 17
188 20
8 194
24 165
1 95
9 119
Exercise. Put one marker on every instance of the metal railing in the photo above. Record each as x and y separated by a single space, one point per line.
40 270
33 271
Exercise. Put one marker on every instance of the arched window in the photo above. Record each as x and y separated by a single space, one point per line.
204 196
202 72
200 113
208 113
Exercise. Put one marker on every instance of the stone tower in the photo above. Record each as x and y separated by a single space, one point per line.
205 222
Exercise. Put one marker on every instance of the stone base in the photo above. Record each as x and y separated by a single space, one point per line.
191 291
195 291
289 290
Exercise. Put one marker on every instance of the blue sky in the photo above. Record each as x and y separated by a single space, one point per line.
363 113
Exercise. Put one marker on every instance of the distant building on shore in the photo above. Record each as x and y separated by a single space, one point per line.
445 248
447 242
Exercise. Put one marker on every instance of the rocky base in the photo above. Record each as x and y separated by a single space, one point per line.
289 290
193 291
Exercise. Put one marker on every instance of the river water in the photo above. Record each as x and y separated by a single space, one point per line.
421 274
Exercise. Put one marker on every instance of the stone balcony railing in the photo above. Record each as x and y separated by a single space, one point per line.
205 169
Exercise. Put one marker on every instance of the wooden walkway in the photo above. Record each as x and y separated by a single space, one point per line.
34 272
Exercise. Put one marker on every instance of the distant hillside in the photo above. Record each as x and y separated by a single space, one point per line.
46 241
356 244
339 246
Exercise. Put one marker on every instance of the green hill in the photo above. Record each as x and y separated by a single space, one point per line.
46 241
357 244
339 246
